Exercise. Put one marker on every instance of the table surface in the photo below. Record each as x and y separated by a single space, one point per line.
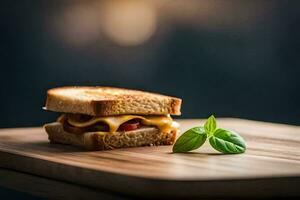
270 166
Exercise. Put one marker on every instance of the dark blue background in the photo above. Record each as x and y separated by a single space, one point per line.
248 71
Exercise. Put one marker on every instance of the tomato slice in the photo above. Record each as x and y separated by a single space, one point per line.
129 126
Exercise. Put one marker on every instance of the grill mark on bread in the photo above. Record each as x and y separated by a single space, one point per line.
102 108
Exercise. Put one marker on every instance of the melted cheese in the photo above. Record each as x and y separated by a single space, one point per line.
164 123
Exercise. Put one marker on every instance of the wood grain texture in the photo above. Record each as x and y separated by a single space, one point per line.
51 189
270 166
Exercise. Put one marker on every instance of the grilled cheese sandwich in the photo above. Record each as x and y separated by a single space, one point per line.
81 122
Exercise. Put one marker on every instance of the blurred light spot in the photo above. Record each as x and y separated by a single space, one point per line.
130 22
78 24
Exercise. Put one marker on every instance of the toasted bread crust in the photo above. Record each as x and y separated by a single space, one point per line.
105 101
146 136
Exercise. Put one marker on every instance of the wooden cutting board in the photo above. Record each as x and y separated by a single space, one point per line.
270 166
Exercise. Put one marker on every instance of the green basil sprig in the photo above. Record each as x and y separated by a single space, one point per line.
222 140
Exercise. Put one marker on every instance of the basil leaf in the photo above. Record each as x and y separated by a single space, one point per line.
211 125
227 141
190 140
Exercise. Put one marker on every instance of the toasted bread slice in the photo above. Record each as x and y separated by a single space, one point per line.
106 101
146 136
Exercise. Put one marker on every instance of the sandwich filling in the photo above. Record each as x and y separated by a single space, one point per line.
78 123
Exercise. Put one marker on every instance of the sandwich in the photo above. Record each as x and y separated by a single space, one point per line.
103 118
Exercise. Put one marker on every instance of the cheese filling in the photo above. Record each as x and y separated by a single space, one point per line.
163 122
